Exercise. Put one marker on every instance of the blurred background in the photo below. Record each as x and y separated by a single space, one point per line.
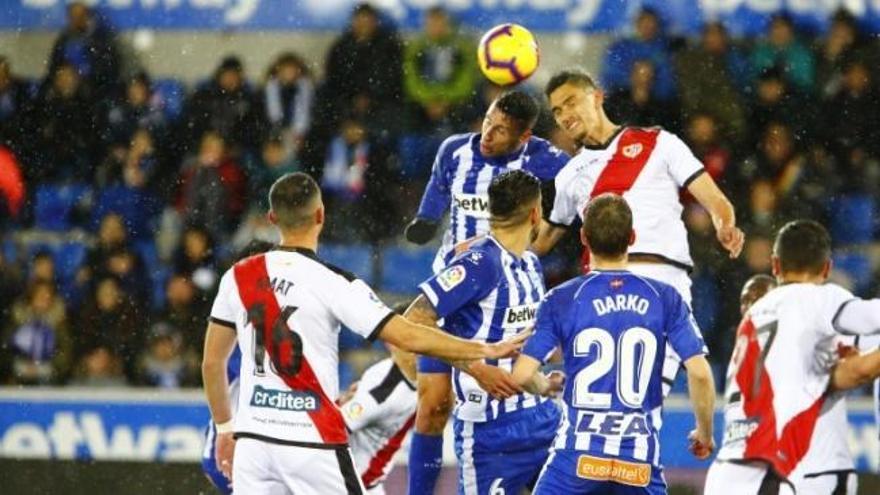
138 140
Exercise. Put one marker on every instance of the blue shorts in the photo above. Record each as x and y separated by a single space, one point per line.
560 476
507 453
209 463
427 364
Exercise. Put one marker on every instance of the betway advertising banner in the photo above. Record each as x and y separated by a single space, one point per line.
681 16
154 425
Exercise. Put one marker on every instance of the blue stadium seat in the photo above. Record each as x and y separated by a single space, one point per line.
170 94
138 209
356 258
417 153
403 269
857 267
156 271
853 219
69 257
54 204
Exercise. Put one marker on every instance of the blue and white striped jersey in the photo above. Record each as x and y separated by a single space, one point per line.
489 294
612 327
460 183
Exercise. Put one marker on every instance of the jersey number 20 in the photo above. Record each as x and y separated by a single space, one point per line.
633 369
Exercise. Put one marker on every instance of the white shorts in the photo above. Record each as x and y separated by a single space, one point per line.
725 478
274 469
842 482
681 281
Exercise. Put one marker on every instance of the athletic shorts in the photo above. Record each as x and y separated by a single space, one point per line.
832 482
504 456
560 475
270 468
754 478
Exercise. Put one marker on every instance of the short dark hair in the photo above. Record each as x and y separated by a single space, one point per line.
289 198
519 107
802 246
511 194
608 225
575 76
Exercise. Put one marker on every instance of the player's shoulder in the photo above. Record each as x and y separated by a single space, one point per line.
574 167
453 143
653 287
541 146
483 255
313 260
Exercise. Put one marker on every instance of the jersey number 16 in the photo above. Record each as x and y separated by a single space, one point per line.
286 351
633 369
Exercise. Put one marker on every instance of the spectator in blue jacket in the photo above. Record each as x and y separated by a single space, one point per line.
649 44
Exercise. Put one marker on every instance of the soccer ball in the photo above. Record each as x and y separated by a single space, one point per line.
508 54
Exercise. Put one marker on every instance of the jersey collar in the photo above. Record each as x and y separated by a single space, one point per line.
607 143
297 249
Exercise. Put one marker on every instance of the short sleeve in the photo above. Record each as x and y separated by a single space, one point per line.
545 339
360 411
565 204
682 330
355 304
224 311
683 166
547 160
469 277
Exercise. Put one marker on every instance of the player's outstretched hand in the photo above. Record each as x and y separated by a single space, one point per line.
420 231
498 382
507 348
223 451
556 379
732 238
701 445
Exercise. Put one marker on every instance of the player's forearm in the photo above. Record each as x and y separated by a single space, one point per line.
537 384
421 312
853 372
701 387
216 389
431 342
716 203
548 236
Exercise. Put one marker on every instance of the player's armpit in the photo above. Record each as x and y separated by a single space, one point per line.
548 236
855 371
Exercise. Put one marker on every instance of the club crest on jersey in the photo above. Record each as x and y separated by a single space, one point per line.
451 277
632 150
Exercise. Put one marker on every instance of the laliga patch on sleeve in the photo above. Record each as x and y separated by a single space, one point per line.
451 277
354 410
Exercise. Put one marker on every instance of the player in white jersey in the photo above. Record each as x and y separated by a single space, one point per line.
782 366
379 415
284 308
649 168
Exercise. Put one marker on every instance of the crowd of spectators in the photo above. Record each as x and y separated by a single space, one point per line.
788 124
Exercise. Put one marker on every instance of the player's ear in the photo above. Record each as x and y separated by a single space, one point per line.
319 215
775 265
826 270
273 219
584 239
632 237
525 137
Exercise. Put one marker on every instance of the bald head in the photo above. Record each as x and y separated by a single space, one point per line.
754 289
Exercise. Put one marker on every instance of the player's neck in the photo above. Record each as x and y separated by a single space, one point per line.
801 278
608 264
305 240
514 239
602 133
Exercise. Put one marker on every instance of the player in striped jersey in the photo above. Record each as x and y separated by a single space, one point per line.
465 165
489 292
612 326
463 169
649 168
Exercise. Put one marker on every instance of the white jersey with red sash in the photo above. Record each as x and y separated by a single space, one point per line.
648 167
287 307
779 373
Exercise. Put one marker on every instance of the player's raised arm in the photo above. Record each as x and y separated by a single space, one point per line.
721 210
435 202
